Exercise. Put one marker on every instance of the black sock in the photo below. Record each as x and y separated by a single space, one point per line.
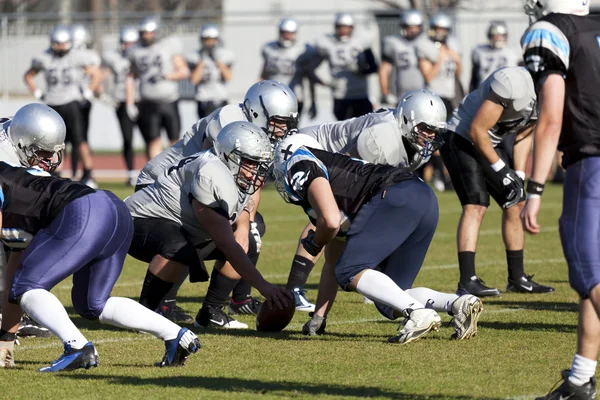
466 265
242 291
154 290
7 336
218 289
87 174
301 267
171 296
514 259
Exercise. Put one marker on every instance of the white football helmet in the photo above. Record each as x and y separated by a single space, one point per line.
128 35
61 37
343 19
408 18
442 21
245 149
283 152
537 9
421 116
149 24
497 28
82 39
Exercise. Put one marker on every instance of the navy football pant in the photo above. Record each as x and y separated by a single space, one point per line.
89 239
579 224
392 234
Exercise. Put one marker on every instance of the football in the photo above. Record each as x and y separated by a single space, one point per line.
276 319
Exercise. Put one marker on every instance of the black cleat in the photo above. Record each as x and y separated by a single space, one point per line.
171 311
249 306
476 287
216 317
572 392
30 328
527 285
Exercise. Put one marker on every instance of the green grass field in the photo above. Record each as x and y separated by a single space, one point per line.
523 342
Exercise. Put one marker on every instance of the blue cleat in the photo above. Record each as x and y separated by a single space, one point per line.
71 359
178 349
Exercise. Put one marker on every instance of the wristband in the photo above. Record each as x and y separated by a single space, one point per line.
520 174
533 196
498 165
309 244
534 187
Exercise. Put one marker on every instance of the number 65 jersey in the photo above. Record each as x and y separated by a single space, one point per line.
401 53
203 177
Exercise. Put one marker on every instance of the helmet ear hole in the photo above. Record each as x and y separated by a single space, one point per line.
405 120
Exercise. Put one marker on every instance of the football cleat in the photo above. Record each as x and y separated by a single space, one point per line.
247 307
301 303
465 311
71 359
527 285
570 391
171 311
215 317
30 328
417 323
178 349
476 287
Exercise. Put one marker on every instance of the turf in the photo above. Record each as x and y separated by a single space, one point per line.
523 343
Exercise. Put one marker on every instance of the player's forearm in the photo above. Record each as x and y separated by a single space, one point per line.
545 144
384 78
522 149
327 290
29 79
226 73
483 144
326 229
178 74
129 90
196 76
95 78
241 263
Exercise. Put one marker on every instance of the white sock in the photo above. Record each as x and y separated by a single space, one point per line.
582 370
379 287
46 309
440 301
129 314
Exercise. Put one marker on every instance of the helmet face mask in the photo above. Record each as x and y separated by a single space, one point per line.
441 25
498 34
149 29
411 24
40 158
426 139
129 36
344 26
288 29
61 40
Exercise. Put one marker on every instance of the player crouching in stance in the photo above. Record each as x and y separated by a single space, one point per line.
81 232
388 217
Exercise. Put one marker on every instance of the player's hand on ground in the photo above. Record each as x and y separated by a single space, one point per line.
529 215
275 296
315 325
7 359
514 191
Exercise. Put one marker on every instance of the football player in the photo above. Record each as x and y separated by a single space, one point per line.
350 61
100 227
399 53
483 161
211 71
386 218
159 66
62 65
561 51
187 216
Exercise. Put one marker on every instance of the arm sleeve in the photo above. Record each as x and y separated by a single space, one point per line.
207 191
546 50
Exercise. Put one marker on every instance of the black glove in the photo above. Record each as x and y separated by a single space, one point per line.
513 187
312 111
309 244
315 325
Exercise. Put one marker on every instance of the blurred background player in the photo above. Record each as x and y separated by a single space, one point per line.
159 65
285 61
487 58
118 64
399 54
350 61
61 65
211 71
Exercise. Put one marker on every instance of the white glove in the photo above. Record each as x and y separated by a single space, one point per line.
132 112
520 174
390 100
7 358
38 94
88 94
256 234
107 99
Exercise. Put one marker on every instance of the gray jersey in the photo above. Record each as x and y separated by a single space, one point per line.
151 64
283 64
62 75
211 87
82 77
8 154
343 59
444 84
487 59
119 65
202 176
191 143
402 54
514 89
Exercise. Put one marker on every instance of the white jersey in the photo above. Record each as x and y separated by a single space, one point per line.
151 64
402 54
377 136
211 86
343 59
192 142
119 65
202 176
444 84
62 75
487 59
285 64
513 88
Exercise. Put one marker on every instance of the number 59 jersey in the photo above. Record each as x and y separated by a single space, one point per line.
401 53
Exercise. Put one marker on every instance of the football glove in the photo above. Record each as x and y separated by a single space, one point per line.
513 191
315 325
256 234
7 359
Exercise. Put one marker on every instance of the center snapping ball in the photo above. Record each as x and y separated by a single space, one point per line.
275 319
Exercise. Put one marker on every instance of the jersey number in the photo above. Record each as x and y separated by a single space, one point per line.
402 60
145 64
181 164
56 76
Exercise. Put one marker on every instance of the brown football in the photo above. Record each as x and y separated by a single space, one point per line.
276 319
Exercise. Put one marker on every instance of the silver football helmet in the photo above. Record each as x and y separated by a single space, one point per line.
343 19
209 31
440 21
35 128
61 37
128 35
82 38
409 18
537 9
283 152
245 149
290 26
497 28
274 107
421 116
149 24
